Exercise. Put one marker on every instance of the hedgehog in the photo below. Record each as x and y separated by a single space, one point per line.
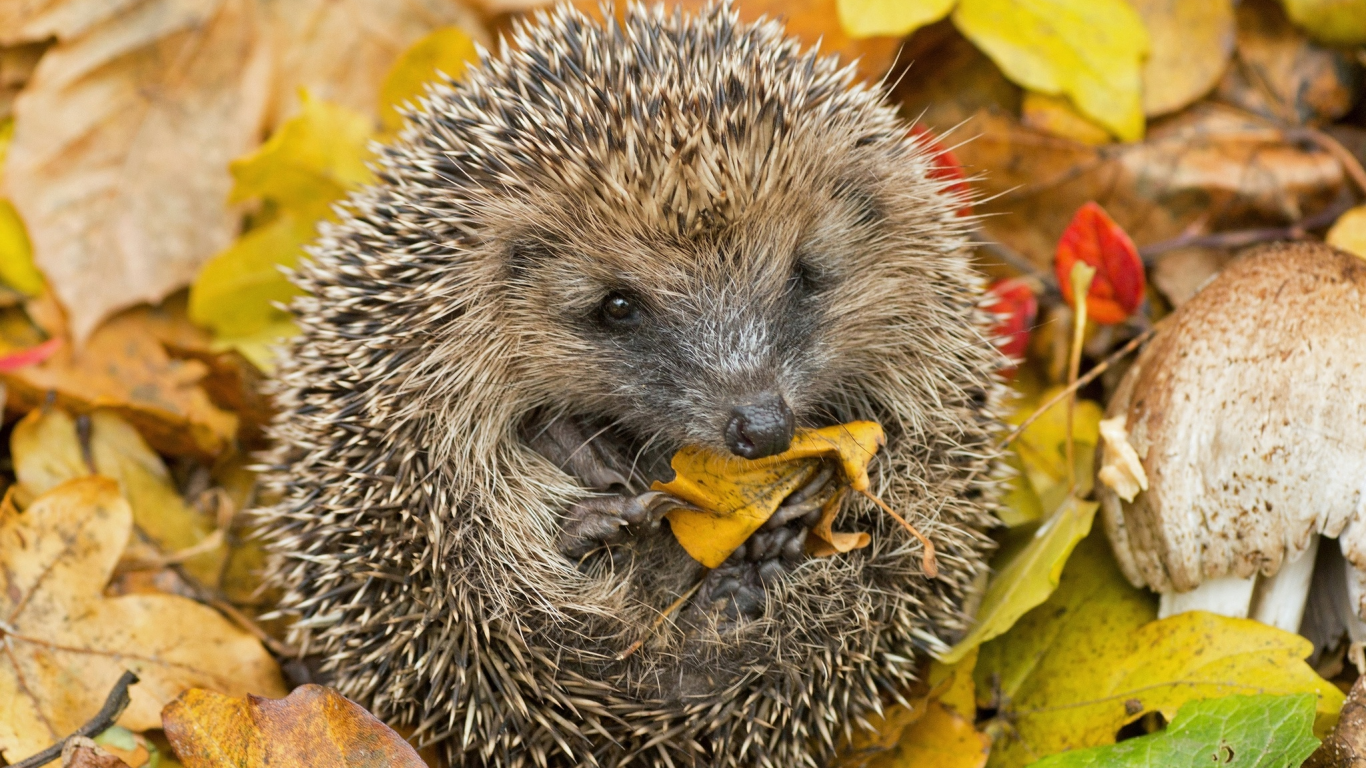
607 241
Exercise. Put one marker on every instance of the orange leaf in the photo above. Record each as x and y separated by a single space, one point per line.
1093 237
312 726
735 496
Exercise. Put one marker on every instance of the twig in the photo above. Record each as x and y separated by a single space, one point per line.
1238 238
675 605
217 601
928 561
1349 162
1081 381
1015 260
114 704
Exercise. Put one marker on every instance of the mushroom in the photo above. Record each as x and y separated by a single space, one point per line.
1238 438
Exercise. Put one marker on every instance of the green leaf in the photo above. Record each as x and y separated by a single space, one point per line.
896 18
1235 731
313 160
1089 50
1087 661
447 51
1029 575
1335 22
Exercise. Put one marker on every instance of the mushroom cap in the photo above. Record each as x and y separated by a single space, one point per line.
1248 413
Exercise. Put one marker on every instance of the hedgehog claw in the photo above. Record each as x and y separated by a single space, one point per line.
602 520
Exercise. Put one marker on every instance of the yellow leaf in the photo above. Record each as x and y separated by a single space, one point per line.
446 51
16 252
942 738
735 496
1191 44
1029 574
235 292
1090 659
312 161
121 144
47 453
312 726
1349 232
1090 50
1056 115
66 643
867 18
1040 454
1336 22
259 347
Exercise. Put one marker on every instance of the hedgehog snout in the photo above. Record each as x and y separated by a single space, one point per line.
759 427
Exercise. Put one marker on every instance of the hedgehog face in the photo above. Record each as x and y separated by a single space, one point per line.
722 339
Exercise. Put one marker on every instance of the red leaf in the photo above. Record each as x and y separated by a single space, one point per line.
30 356
1015 307
944 166
1093 237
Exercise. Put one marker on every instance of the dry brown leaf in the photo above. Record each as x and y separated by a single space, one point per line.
341 50
1280 74
119 164
1189 48
125 368
66 643
312 726
1211 167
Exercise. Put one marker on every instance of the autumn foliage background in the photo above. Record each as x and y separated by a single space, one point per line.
162 160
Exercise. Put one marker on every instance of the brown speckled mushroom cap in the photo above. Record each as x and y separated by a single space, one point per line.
1248 415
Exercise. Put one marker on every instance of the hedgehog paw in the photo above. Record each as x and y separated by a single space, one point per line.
602 520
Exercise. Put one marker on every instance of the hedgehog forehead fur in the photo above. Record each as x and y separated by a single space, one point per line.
774 228
747 194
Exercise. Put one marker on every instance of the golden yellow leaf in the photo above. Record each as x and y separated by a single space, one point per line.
1190 47
1349 232
1056 115
1336 22
312 726
47 452
340 50
66 643
942 738
122 140
124 367
446 51
1090 50
735 496
866 18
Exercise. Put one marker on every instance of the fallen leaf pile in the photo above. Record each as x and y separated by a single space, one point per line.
164 163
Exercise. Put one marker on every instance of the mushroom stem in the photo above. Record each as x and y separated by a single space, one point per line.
1228 596
1281 598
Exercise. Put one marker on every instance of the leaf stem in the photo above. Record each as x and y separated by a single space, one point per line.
674 606
928 561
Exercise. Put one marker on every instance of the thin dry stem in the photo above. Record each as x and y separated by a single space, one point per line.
674 606
927 561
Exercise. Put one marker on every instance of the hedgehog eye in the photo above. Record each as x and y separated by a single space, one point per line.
620 311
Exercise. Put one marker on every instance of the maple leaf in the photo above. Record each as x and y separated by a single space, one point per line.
63 643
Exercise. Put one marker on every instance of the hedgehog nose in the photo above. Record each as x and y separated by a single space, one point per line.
760 427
